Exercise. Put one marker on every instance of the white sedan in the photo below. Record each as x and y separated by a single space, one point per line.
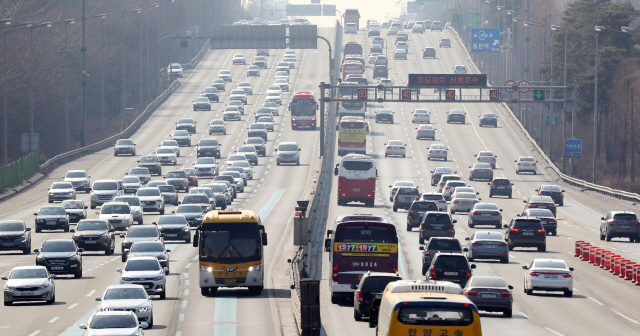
274 97
282 83
225 75
421 116
400 54
463 202
395 147
171 143
548 275
526 164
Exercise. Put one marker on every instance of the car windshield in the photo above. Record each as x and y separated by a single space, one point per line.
288 148
195 199
444 170
176 174
210 90
225 72
142 265
485 154
237 92
216 188
166 188
489 236
466 195
142 232
115 209
245 84
124 142
165 151
274 88
147 247
52 211
237 157
273 94
244 164
113 322
202 100
149 192
148 159
139 171
125 294
130 179
488 115
189 171
105 186
437 218
58 246
217 122
408 191
172 220
73 205
38 273
92 225
625 216
526 159
444 244
488 282
189 208
180 133
185 121
395 143
218 81
11 226
549 264
438 147
553 188
501 182
540 213
423 206
486 206
257 126
451 262
208 142
205 161
432 197
253 67
76 175
246 149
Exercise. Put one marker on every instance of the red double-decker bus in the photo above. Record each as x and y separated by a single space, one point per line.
303 109
359 243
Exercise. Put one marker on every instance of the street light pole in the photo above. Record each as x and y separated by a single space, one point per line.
595 119
4 88
66 81
83 81
102 17
46 24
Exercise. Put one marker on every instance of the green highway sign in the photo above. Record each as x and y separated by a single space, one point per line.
538 94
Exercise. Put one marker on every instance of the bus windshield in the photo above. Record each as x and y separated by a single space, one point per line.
436 316
366 235
352 105
303 108
230 242
352 125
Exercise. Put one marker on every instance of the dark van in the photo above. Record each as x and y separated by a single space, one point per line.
436 224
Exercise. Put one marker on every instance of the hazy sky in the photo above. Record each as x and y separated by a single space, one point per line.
381 10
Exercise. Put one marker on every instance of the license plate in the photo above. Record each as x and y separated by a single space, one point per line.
7 244
486 214
89 242
489 296
501 187
626 227
57 268
378 296
356 189
229 281
551 276
26 294
527 233
146 286
489 246
450 273
51 223
172 235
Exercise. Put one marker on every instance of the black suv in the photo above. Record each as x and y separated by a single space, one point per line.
52 218
152 163
208 148
452 267
384 115
139 233
620 224
258 144
500 186
95 235
60 256
15 235
429 52
438 244
380 71
417 211
552 191
541 202
436 224
526 232
370 287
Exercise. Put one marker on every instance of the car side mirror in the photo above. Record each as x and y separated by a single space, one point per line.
162 235
72 230
469 166
337 127
466 238
166 270
465 250
354 286
488 183
515 161
505 226
119 270
82 326
473 266
421 248
601 218
35 213
563 191
571 269
81 250
98 299
4 277
122 235
36 251
28 229
455 221
335 171
112 230
525 267
537 190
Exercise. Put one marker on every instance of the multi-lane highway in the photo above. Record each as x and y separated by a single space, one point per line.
601 304
272 193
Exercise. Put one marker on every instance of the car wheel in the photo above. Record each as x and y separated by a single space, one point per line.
510 247
453 211
162 211
421 240
542 248
470 225
78 274
504 260
528 291
107 250
607 237
357 316
66 228
507 313
395 208
163 295
150 323
53 298
568 293
601 236
8 303
124 257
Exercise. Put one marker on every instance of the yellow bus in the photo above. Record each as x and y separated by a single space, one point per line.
419 307
352 135
230 251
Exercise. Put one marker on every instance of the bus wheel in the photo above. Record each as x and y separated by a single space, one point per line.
204 291
256 290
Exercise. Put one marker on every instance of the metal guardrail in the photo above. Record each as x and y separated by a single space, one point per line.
620 194
71 155
14 173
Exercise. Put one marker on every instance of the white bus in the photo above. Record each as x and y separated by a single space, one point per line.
352 108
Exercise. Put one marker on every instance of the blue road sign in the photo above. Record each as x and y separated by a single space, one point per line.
485 40
573 148
412 7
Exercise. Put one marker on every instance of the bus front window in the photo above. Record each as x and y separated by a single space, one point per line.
228 245
303 108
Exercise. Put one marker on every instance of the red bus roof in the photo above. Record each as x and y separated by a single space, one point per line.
303 95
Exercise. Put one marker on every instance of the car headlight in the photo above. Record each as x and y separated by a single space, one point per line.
10 287
162 258
158 278
126 279
255 268
106 234
62 220
75 257
44 285
143 309
40 259
51 193
40 220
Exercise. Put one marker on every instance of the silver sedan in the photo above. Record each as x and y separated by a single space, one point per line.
485 214
487 245
437 151
463 202
395 147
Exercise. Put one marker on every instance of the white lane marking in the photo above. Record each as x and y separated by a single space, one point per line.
524 315
186 275
554 332
54 319
90 293
35 333
72 306
594 300
186 292
184 304
626 317
188 265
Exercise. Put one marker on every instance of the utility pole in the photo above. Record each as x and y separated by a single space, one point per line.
83 137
